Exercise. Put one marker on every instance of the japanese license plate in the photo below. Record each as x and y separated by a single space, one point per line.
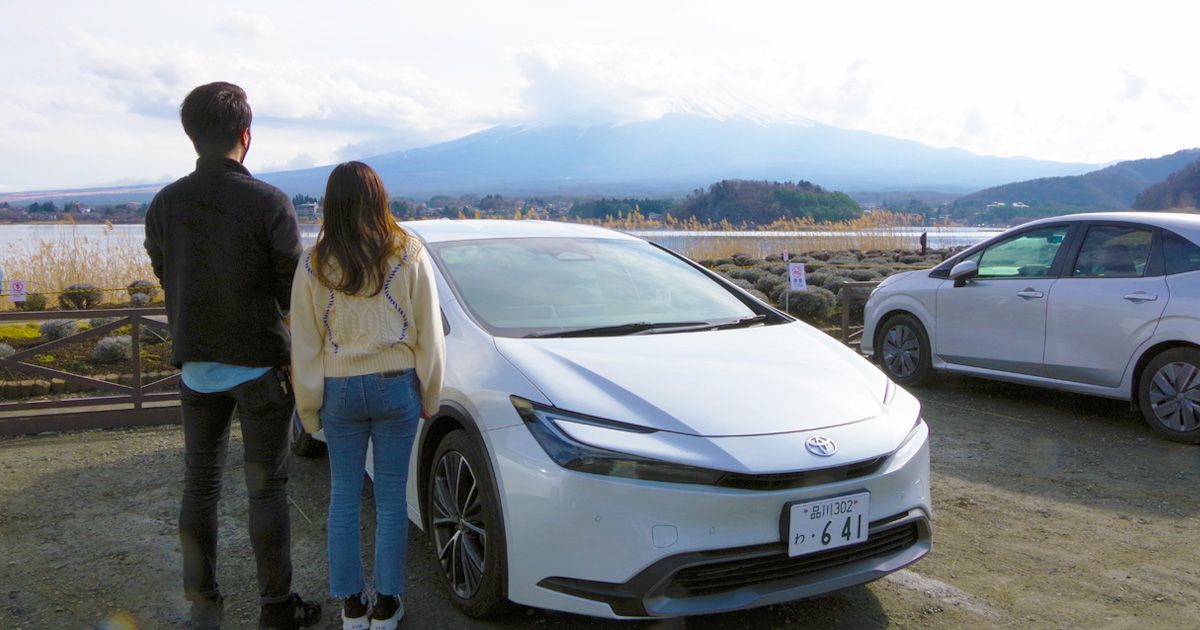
827 523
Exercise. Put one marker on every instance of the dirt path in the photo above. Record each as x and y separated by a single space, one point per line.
1053 510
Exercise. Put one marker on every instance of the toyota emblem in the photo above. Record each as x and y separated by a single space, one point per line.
820 446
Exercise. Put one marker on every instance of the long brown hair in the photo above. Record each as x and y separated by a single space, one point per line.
358 234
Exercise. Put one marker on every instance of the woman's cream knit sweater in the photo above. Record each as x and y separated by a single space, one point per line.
335 334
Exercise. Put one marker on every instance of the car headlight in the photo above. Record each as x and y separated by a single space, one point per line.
545 423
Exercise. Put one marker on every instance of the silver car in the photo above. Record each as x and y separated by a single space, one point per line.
1106 304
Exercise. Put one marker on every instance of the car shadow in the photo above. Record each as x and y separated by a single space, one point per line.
1088 450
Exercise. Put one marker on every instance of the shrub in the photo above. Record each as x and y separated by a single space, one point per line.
33 302
759 295
54 329
776 292
813 306
142 287
81 297
742 260
912 259
154 335
707 262
97 322
768 282
779 270
140 299
6 351
862 275
819 278
821 255
744 284
722 261
113 349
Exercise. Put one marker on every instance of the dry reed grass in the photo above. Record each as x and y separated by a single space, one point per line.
110 261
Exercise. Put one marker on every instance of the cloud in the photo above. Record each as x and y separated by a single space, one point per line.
242 25
298 161
1132 86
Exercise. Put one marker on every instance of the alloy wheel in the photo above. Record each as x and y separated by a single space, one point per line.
459 529
1175 396
901 351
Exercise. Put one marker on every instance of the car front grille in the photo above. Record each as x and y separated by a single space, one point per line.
708 579
787 481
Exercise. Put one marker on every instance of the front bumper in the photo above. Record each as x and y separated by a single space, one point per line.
623 548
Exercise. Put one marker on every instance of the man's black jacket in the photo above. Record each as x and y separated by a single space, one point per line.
225 246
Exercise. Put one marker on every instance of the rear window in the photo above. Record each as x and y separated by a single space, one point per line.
1181 254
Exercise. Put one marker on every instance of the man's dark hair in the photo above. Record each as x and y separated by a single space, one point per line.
214 116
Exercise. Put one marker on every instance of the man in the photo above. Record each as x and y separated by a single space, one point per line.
224 246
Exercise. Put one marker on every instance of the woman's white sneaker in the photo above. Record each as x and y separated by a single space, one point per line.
388 611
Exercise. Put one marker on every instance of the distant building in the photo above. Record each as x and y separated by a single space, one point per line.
308 210
1020 204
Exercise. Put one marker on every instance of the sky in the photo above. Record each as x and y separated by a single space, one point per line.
90 91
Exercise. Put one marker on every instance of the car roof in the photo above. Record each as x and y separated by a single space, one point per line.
1184 224
443 230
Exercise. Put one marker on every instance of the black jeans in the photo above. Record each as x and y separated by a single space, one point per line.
265 407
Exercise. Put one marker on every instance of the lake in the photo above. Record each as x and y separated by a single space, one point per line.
691 243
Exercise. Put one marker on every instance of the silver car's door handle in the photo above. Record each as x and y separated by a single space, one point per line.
1141 296
1030 294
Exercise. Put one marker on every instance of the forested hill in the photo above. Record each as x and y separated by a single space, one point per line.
1181 190
761 202
1112 188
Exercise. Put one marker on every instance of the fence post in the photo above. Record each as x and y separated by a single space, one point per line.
844 295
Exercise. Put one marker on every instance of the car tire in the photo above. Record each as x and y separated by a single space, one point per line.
460 521
903 350
302 442
1169 394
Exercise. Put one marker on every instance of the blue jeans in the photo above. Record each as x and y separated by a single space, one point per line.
384 408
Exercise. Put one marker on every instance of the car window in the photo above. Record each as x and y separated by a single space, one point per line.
1027 255
531 285
1111 251
1182 255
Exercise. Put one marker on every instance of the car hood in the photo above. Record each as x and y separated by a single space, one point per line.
752 381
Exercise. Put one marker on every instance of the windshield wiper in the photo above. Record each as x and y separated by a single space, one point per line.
631 328
741 322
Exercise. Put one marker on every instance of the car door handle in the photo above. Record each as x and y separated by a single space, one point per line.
1030 294
1141 296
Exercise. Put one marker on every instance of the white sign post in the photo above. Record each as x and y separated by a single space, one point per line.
786 255
16 290
796 277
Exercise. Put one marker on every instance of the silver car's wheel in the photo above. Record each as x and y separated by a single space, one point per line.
903 350
459 530
1169 394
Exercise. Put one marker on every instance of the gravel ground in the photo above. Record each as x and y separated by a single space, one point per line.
1052 511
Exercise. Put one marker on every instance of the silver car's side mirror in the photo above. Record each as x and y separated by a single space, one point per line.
963 271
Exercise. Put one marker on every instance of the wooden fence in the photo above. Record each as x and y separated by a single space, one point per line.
136 401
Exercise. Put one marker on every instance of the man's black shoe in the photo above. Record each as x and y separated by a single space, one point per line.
289 615
207 613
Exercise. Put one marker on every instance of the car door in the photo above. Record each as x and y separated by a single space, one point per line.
1106 304
997 319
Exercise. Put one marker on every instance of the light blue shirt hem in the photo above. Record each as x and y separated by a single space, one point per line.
210 377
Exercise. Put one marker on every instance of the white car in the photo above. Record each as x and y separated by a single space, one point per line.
625 434
1105 304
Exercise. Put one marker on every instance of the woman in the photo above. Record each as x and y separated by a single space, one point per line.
367 356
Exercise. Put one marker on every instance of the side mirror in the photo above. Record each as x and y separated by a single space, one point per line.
963 271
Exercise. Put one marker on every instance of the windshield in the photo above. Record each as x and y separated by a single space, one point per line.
538 286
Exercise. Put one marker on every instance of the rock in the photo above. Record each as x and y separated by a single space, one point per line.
58 385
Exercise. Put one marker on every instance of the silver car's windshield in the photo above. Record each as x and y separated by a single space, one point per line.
548 286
